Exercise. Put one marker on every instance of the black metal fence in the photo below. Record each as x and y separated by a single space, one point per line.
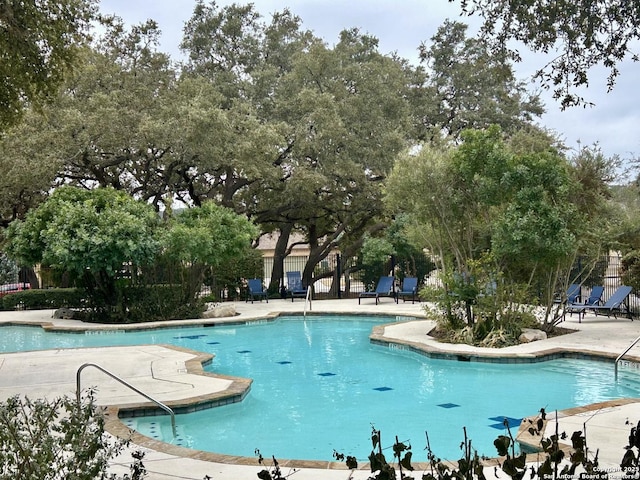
607 272
356 278
353 277
340 277
326 275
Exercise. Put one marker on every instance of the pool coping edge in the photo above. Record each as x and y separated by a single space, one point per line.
115 426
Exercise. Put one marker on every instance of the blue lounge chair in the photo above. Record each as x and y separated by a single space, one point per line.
573 295
594 299
616 303
409 289
294 285
383 289
256 290
595 296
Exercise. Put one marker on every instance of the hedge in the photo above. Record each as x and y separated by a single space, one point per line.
46 298
142 303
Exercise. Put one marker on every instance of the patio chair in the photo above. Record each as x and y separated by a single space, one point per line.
409 289
573 295
615 304
294 286
256 290
594 299
383 289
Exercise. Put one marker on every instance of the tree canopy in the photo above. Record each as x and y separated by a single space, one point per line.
39 44
263 118
209 235
466 85
585 34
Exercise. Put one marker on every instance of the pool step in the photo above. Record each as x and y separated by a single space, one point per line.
159 431
628 373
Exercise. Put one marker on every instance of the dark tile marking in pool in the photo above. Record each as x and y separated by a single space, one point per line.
512 422
213 343
244 351
189 337
326 374
383 389
284 362
448 405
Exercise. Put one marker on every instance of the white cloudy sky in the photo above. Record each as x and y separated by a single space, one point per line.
401 26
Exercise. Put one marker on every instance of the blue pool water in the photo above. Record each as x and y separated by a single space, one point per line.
319 386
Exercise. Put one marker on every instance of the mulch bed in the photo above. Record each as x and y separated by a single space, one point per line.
443 335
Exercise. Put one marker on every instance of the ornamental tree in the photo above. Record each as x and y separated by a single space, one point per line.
496 210
203 239
93 234
117 247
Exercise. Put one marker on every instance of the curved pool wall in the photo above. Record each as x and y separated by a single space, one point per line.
447 410
418 392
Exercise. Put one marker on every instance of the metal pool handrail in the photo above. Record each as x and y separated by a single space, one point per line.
623 354
307 298
126 384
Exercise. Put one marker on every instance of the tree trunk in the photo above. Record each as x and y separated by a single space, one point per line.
318 252
279 254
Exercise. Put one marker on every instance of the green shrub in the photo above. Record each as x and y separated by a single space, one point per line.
230 276
148 303
143 303
54 439
499 311
160 302
46 298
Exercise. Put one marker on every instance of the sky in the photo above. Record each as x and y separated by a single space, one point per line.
401 26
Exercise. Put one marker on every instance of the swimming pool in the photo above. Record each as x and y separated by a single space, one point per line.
319 385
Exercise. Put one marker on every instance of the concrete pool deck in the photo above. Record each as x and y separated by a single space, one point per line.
174 376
